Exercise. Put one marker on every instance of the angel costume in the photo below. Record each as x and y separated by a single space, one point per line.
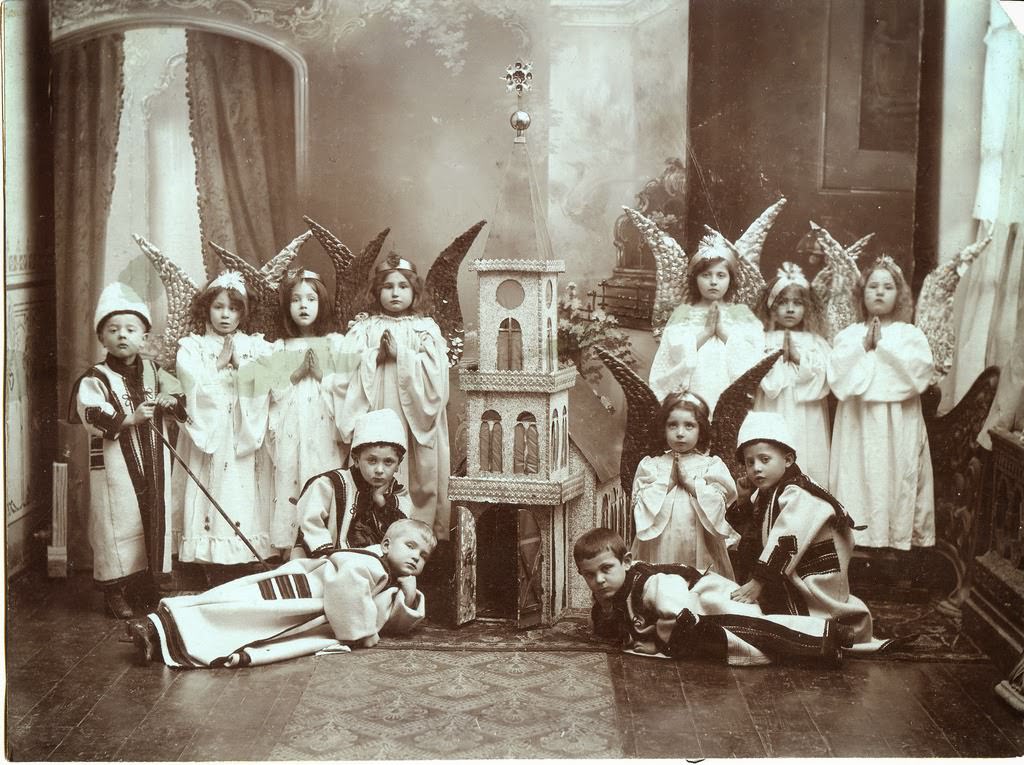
674 527
221 445
300 608
302 435
799 392
805 562
709 370
881 466
415 386
133 524
676 612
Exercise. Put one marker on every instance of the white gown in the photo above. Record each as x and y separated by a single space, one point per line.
799 392
881 468
709 370
221 444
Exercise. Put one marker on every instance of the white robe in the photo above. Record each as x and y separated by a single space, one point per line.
881 468
298 609
709 370
674 527
415 385
221 444
302 436
799 392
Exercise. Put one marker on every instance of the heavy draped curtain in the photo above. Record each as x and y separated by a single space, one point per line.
241 108
87 92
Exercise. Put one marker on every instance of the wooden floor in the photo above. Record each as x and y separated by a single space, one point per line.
75 692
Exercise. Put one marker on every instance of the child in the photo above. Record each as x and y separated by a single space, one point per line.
122 402
796 386
403 366
298 609
224 431
353 507
881 464
679 497
302 436
678 612
807 536
710 341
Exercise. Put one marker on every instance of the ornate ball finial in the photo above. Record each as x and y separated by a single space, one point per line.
518 79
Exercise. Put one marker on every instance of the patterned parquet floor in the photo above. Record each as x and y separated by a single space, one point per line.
75 692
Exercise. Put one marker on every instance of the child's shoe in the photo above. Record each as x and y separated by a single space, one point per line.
144 635
116 603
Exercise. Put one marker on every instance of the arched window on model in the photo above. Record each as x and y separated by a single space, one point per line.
552 349
606 520
565 436
510 345
490 442
525 451
553 446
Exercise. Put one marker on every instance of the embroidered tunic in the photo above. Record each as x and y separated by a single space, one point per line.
133 523
302 607
674 611
881 467
674 527
805 561
336 510
415 385
799 392
710 369
221 444
302 436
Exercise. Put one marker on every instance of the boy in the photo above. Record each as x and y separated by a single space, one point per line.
353 507
305 606
676 611
807 537
122 402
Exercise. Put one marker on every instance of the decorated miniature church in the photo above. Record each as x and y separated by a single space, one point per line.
535 479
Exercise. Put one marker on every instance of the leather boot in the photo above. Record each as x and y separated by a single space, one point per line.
116 603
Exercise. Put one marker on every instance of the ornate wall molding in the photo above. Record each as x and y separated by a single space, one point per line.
507 381
524 266
520 491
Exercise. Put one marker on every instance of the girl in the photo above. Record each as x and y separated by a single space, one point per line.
402 364
302 435
797 385
709 341
881 465
679 497
225 430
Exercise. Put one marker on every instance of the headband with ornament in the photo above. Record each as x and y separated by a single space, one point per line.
304 273
885 261
789 275
395 262
712 246
692 398
230 280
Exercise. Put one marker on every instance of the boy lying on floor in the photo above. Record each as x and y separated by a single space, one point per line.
675 611
307 605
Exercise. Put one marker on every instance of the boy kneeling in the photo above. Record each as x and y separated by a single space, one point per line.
675 611
305 606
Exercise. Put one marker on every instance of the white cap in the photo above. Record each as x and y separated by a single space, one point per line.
764 426
379 426
118 297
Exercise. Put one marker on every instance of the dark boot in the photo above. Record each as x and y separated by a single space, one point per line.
146 639
116 603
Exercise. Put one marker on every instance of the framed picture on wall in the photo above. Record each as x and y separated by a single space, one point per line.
871 95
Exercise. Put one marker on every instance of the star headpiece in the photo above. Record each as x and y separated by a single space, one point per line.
230 280
789 274
713 245
395 262
885 261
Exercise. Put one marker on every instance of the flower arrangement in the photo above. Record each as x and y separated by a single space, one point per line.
580 329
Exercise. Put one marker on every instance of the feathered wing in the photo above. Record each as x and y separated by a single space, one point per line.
263 284
837 280
669 268
352 275
732 408
341 258
181 291
641 408
441 286
934 314
751 242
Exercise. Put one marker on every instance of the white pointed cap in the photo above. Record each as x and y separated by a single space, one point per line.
118 297
379 426
764 426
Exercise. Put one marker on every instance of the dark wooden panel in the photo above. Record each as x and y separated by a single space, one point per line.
720 714
623 707
778 714
978 682
662 720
